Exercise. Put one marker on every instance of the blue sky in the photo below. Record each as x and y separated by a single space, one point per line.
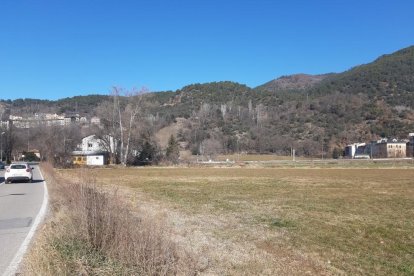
56 49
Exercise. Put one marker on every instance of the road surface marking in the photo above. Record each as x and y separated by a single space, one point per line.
13 266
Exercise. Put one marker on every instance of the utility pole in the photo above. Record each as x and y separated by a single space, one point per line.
28 138
64 144
1 145
322 150
372 144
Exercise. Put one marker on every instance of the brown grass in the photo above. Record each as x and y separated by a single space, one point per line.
282 221
93 232
255 157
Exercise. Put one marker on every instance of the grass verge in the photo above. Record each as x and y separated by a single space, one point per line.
93 232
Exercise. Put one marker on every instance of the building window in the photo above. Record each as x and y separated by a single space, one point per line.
90 145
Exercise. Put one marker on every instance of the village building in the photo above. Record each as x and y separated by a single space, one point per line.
83 120
47 119
5 124
94 151
410 145
37 120
71 118
95 120
387 148
355 150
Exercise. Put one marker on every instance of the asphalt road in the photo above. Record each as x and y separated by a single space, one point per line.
21 209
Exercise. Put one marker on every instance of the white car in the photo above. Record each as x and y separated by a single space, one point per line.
18 171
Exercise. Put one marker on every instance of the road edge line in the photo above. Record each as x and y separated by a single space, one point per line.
14 265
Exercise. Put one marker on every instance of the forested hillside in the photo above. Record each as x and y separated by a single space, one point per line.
313 114
80 104
293 82
302 111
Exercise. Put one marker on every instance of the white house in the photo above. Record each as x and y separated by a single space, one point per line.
92 143
354 149
94 151
95 120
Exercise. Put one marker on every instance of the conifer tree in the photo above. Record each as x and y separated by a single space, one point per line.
173 150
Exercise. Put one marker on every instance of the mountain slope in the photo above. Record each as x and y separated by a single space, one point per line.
389 78
309 113
361 104
293 82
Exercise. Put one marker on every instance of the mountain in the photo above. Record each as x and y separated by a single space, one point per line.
293 82
312 113
389 78
305 111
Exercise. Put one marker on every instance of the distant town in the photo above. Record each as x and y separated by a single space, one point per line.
48 119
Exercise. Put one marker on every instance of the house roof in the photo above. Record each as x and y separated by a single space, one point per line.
80 152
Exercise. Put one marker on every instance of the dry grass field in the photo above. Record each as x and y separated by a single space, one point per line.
284 221
255 157
94 231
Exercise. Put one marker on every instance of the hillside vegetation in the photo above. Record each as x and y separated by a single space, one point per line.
313 114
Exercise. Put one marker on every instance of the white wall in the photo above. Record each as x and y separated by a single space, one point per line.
95 160
93 144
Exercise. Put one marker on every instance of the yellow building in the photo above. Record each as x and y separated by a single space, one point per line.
389 149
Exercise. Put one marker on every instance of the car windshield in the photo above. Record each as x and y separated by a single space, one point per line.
18 167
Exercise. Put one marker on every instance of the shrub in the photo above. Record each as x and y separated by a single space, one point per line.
94 232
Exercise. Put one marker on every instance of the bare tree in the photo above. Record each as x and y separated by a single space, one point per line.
125 109
211 147
106 130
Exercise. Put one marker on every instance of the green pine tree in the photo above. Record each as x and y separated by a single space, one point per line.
173 150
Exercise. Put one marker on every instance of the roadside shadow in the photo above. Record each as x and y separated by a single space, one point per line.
25 182
15 194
